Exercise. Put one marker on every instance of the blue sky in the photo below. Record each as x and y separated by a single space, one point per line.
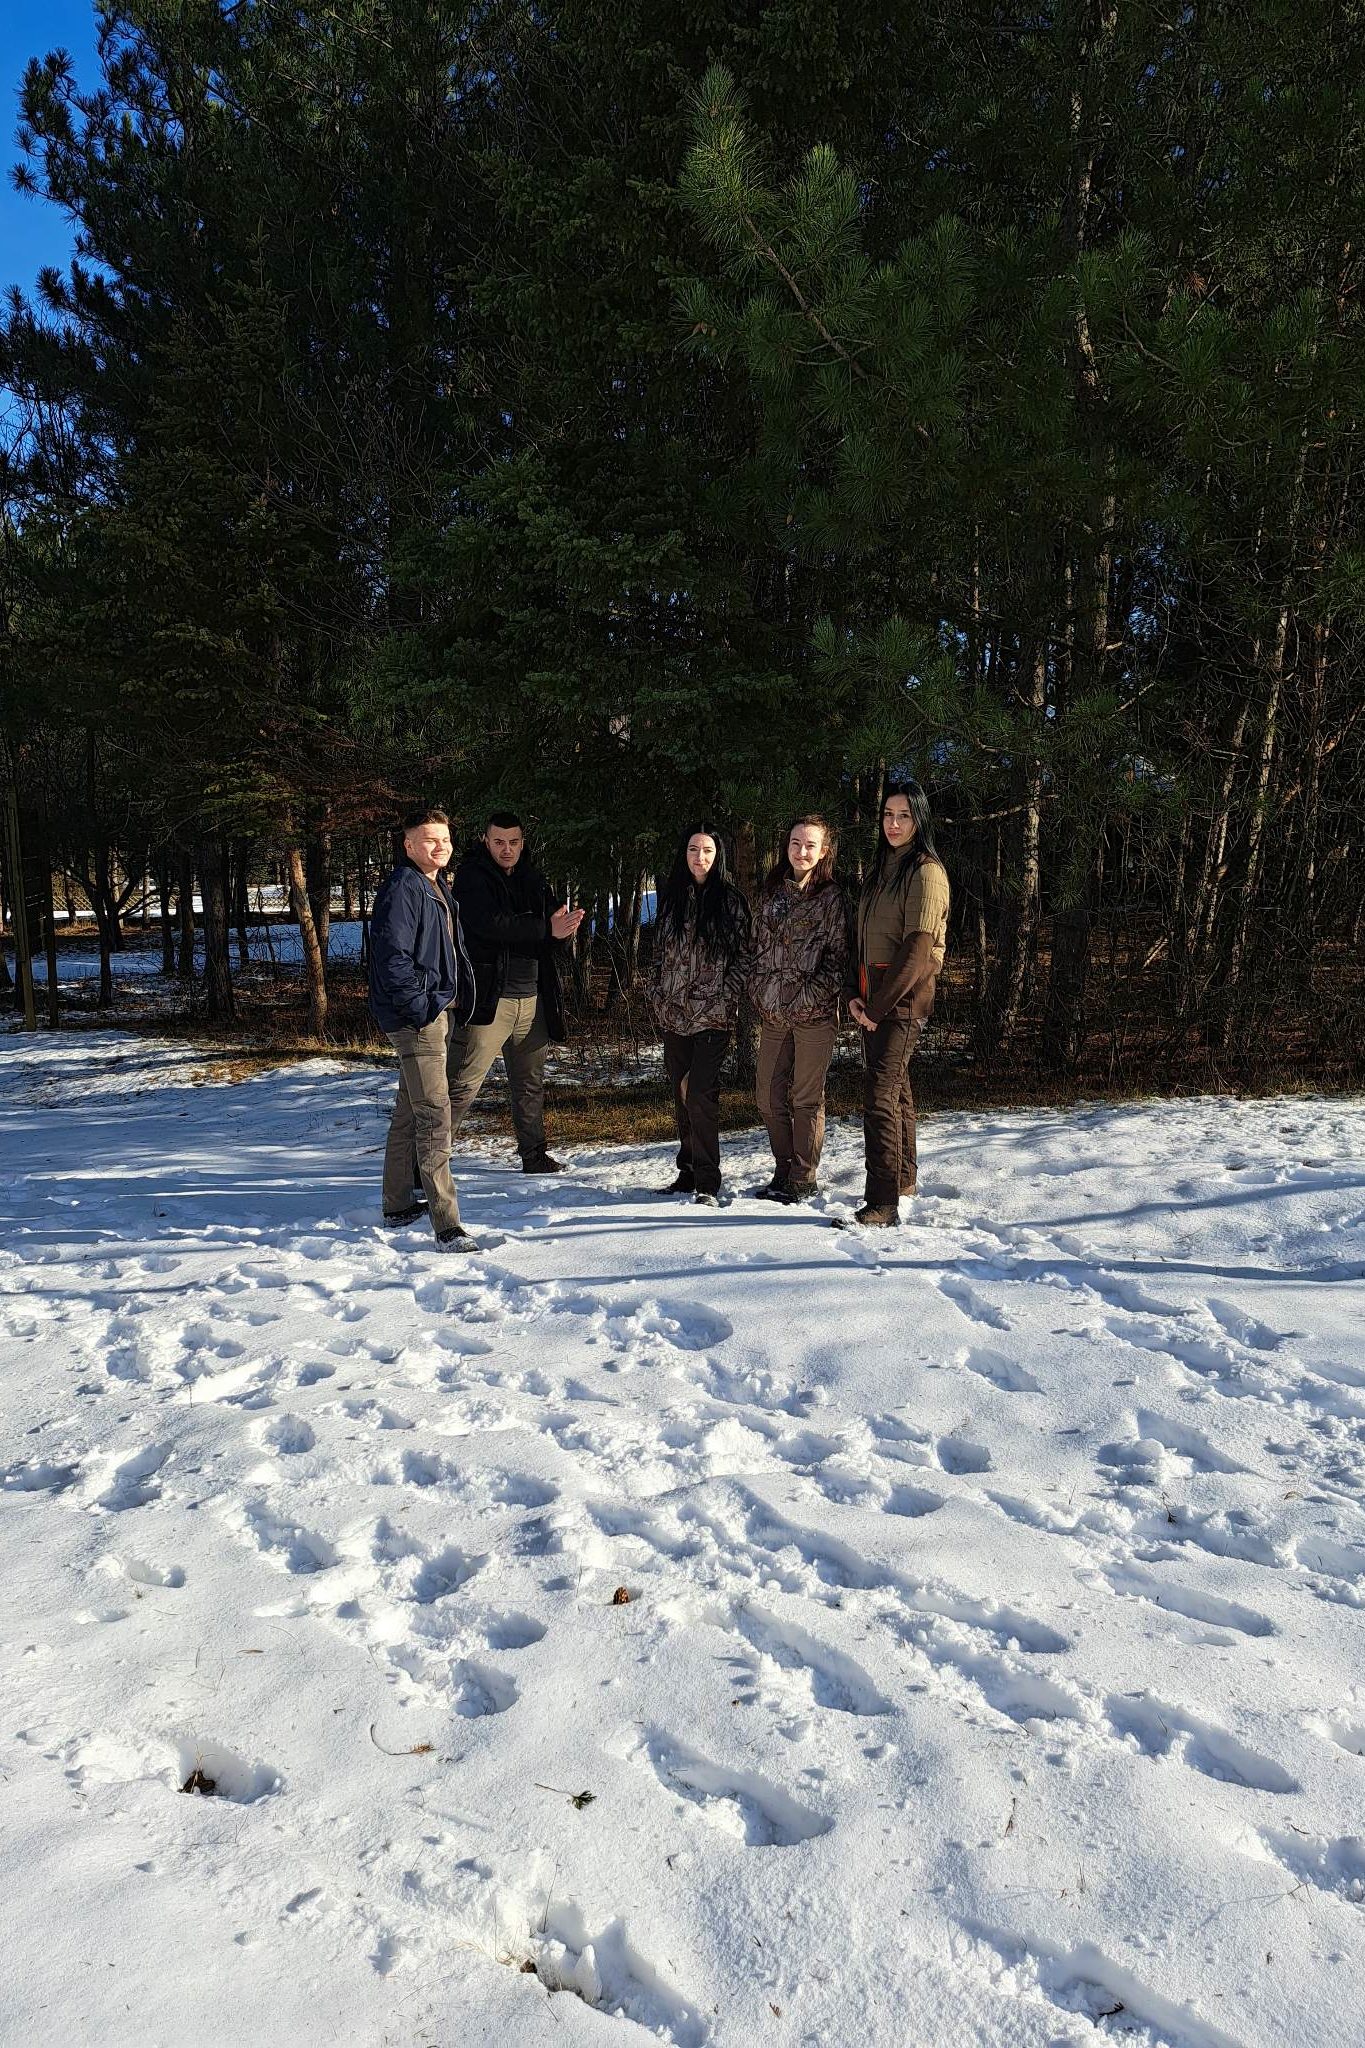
31 232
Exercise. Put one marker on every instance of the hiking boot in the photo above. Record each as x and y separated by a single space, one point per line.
802 1190
706 1198
776 1190
541 1162
398 1219
456 1240
876 1216
683 1185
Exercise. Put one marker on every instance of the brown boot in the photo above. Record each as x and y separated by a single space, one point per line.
877 1217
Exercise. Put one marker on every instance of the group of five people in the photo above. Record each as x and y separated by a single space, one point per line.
462 971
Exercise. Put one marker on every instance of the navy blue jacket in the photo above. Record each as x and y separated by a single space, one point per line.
415 971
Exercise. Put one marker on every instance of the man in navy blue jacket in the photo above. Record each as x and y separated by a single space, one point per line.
421 982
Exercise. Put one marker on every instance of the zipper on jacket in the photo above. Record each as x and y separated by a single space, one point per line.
469 965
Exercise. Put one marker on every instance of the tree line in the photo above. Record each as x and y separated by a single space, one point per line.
648 411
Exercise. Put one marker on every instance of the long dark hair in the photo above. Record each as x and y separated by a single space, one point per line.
822 874
897 868
721 911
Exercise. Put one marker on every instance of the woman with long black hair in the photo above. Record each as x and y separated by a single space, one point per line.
701 937
902 929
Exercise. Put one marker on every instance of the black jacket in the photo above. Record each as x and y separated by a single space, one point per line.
504 914
415 971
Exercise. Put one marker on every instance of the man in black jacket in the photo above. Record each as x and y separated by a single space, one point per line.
421 984
511 925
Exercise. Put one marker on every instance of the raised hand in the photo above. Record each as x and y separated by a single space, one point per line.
565 922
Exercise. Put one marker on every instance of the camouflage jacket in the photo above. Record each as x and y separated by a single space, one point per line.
798 961
689 990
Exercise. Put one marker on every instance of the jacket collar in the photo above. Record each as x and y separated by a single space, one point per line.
477 854
406 861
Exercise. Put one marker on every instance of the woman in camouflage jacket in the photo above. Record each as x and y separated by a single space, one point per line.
797 970
701 937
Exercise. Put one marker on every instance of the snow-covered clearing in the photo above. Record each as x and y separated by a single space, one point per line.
992 1669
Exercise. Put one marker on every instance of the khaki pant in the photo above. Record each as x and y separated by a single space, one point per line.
889 1110
792 1063
420 1125
517 1031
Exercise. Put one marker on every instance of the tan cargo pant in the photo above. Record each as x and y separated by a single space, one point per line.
420 1125
792 1063
517 1031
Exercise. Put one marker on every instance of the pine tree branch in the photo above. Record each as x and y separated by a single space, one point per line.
809 314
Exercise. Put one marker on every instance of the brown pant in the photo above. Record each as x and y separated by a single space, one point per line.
692 1062
517 1031
420 1125
793 1060
889 1110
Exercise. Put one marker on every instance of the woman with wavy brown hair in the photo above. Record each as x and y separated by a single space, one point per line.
796 973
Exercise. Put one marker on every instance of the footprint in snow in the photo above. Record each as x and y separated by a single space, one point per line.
135 1483
1191 1602
831 1679
290 1435
1335 1866
39 1476
1159 1730
308 1374
966 1299
478 1689
959 1456
738 1802
1002 1372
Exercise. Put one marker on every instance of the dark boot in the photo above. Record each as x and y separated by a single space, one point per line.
801 1190
456 1240
683 1185
397 1219
776 1190
541 1162
876 1216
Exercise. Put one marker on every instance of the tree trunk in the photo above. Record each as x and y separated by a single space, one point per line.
318 869
14 861
314 961
49 917
1007 989
1260 805
106 920
163 897
185 911
241 908
746 1032
221 1004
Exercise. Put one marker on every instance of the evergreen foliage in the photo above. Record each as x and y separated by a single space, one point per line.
669 409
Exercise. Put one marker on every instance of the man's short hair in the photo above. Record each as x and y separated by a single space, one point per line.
506 821
426 814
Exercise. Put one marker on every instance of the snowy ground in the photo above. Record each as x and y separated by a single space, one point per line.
992 1670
